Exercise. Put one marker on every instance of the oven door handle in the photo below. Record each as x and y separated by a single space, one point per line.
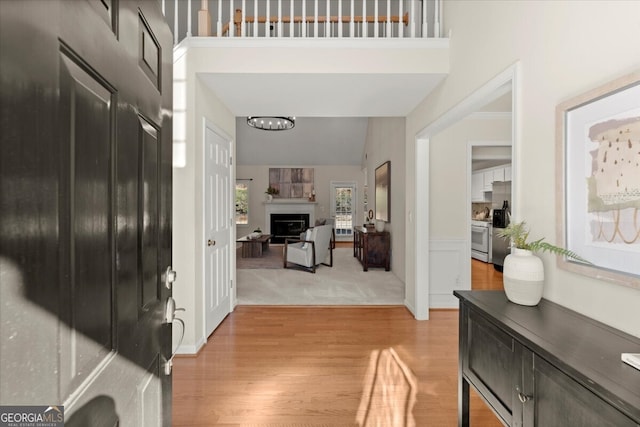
479 229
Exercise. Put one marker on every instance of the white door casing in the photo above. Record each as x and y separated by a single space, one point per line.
218 226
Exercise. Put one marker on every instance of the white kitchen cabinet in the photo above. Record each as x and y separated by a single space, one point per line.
507 173
477 187
498 174
488 180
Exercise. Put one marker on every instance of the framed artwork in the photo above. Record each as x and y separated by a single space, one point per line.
292 183
598 155
383 192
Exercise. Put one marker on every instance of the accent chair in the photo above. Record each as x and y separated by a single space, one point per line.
313 250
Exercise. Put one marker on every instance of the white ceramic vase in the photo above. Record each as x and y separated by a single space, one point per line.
269 198
523 276
380 225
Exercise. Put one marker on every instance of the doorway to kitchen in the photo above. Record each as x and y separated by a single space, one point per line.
490 172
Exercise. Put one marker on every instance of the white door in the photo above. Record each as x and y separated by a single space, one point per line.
217 227
343 208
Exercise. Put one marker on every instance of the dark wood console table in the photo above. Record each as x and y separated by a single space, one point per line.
544 365
372 248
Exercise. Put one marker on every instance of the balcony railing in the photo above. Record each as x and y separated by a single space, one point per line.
304 18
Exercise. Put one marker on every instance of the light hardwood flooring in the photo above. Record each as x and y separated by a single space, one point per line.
309 366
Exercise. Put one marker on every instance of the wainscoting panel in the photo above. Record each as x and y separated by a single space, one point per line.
450 269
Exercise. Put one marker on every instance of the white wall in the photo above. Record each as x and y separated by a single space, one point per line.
323 175
448 165
188 240
384 142
564 48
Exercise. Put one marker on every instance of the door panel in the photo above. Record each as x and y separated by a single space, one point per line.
85 213
86 143
148 220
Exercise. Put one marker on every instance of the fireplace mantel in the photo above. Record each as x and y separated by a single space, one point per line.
288 206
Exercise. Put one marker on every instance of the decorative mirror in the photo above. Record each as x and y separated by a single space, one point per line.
383 192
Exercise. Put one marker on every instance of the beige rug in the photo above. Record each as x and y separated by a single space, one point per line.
343 284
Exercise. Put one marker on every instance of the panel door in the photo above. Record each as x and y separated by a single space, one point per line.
86 208
218 227
343 208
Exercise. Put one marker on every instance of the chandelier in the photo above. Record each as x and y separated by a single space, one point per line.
271 122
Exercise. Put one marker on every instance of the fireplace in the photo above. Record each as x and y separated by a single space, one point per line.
288 226
293 207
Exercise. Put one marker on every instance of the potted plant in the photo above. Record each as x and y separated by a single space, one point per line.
523 272
271 191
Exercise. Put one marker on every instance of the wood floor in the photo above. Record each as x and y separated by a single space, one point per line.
328 366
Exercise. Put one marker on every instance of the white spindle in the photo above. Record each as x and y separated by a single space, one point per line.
175 23
365 26
376 27
292 15
255 18
267 24
219 23
303 32
352 23
339 18
425 28
327 22
412 20
401 21
279 18
436 20
389 28
315 18
243 20
232 26
189 19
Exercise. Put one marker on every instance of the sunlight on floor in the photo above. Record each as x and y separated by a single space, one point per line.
389 392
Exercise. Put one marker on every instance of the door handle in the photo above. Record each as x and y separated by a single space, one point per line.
211 242
170 313
523 398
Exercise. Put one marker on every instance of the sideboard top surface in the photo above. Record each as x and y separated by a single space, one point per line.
582 347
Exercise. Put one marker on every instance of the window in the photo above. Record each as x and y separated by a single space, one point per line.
242 204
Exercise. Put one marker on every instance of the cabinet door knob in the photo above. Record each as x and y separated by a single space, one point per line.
522 397
211 242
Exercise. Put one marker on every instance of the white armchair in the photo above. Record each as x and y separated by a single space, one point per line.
313 250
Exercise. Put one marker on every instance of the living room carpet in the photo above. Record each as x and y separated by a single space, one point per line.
343 284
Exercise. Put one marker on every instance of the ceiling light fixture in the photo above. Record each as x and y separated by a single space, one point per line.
271 122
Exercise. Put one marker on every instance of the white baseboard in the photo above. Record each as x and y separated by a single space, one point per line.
191 349
443 301
410 307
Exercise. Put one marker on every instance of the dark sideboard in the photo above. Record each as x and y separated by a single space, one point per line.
372 248
544 365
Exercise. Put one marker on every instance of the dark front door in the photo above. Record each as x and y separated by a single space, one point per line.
85 169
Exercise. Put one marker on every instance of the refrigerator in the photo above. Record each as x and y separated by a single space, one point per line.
501 193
